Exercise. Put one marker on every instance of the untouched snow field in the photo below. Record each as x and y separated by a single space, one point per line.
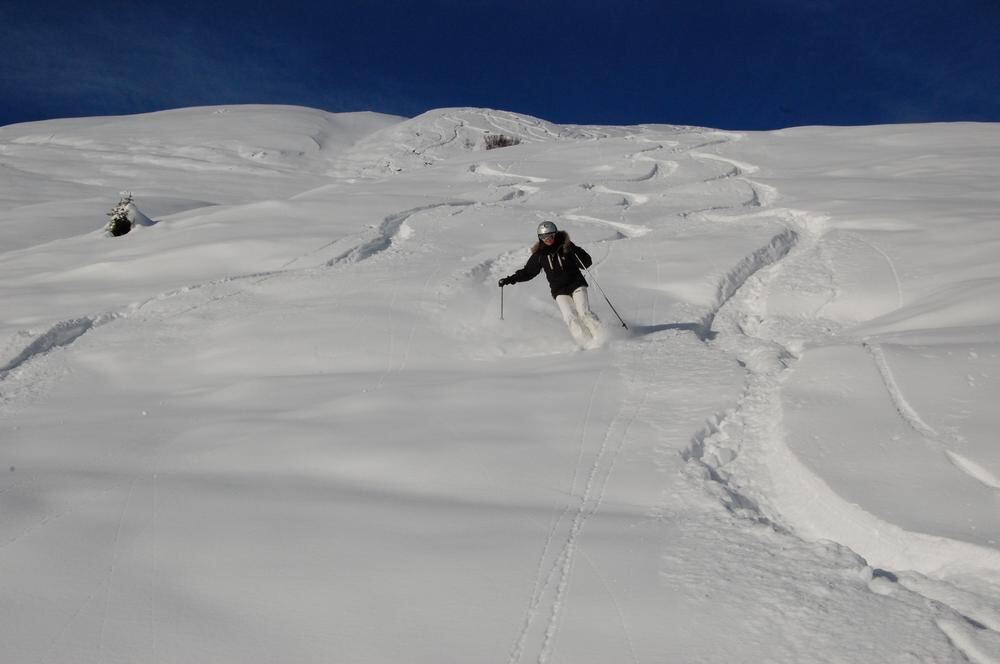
285 422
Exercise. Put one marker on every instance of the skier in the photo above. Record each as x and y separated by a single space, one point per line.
561 260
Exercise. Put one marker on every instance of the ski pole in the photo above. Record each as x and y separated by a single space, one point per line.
501 303
590 274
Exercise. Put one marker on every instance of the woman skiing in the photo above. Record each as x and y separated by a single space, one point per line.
562 260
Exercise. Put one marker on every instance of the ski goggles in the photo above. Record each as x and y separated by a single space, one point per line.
547 236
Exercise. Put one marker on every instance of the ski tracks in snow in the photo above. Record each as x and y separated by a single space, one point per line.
381 237
64 333
754 425
914 420
555 569
540 625
61 334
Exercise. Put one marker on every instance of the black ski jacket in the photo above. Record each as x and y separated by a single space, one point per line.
561 263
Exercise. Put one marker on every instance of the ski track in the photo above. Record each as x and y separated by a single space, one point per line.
630 198
622 621
957 634
549 595
64 333
765 256
629 231
112 568
891 263
654 171
758 413
516 126
445 137
490 171
541 586
913 419
627 415
386 233
558 565
61 334
552 582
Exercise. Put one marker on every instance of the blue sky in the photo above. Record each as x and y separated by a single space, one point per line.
754 64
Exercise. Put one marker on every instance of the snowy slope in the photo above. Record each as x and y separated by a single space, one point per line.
286 422
57 174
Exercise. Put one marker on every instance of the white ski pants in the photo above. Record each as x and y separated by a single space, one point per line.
583 323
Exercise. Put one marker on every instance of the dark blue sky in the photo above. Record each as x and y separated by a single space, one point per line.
750 64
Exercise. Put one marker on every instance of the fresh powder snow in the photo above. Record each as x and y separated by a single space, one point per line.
283 420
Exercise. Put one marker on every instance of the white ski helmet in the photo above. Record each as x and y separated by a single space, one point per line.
546 228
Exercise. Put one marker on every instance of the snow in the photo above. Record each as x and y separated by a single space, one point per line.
283 420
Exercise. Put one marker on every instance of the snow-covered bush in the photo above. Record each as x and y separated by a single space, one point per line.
125 215
494 141
120 224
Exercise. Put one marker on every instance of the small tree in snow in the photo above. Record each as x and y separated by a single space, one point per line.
120 223
494 141
125 216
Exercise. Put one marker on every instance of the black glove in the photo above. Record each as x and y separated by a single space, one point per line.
506 281
567 249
